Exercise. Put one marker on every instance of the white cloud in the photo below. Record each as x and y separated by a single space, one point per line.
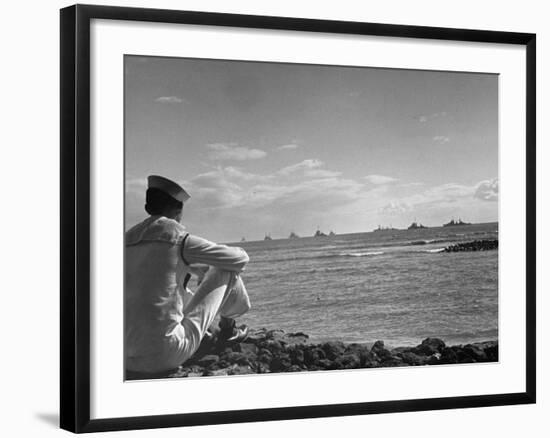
321 173
445 196
395 208
426 117
288 146
487 190
302 185
169 99
238 174
301 167
136 185
439 196
231 151
441 139
379 179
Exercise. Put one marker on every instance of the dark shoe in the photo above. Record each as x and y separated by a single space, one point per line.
229 332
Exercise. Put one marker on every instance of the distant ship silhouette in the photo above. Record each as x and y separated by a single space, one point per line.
454 223
380 228
416 226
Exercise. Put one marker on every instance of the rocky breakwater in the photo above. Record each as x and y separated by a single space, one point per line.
274 351
476 245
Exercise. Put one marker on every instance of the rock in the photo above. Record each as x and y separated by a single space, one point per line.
273 346
429 346
448 356
275 334
296 338
262 368
174 374
240 369
411 358
324 364
280 363
434 359
312 355
223 364
298 334
236 347
347 361
476 353
370 360
393 361
461 355
219 372
333 349
237 358
381 351
273 351
336 364
190 371
357 349
294 369
399 350
265 351
491 352
225 352
208 360
377 345
297 356
265 358
247 349
476 245
256 336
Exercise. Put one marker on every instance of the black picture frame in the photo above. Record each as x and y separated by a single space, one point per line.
75 217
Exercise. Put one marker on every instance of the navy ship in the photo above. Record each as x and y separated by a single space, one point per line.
416 226
454 223
380 228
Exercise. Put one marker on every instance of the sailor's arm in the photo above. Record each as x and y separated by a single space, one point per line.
197 250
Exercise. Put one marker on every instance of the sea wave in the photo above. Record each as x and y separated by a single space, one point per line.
426 241
361 254
435 250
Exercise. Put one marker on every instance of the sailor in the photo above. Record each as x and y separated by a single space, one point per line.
164 320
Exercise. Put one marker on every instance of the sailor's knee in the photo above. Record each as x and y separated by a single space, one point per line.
245 257
246 305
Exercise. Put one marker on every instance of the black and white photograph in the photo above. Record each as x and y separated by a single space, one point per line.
275 218
286 217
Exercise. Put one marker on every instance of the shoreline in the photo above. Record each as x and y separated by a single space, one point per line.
274 351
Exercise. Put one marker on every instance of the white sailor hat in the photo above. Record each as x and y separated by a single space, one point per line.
167 186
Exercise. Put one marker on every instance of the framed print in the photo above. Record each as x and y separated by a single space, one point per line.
286 218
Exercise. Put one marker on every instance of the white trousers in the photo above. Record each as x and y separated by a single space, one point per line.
220 293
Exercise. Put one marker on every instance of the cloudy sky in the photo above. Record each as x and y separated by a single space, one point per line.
274 148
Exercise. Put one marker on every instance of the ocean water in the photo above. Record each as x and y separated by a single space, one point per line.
396 286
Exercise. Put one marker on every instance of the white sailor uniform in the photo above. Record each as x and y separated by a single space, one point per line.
164 322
